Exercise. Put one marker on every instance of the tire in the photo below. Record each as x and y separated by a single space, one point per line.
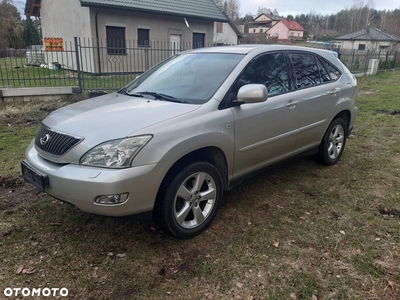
332 145
188 202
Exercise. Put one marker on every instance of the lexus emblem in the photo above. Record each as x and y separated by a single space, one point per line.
44 139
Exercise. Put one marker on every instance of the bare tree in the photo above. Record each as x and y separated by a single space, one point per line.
230 7
370 7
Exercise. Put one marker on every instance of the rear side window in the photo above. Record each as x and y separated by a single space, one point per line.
322 71
306 69
334 73
268 69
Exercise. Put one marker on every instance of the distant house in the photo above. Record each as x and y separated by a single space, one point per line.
226 33
262 23
285 30
115 27
370 38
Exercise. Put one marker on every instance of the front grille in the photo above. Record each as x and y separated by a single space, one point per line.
54 143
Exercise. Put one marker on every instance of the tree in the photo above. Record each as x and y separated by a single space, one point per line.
10 20
31 35
230 7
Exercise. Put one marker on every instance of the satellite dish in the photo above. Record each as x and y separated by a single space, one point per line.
275 35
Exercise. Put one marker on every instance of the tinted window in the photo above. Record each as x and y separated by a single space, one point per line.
306 69
269 70
334 73
322 71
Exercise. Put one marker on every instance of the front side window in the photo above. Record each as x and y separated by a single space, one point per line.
115 40
361 46
268 69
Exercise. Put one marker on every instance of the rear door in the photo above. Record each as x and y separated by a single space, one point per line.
265 132
317 93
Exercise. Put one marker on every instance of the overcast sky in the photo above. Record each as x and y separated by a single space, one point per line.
295 7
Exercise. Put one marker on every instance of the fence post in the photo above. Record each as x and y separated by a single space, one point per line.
394 61
78 64
352 59
146 57
387 58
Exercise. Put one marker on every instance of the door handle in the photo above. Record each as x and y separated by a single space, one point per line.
334 91
292 104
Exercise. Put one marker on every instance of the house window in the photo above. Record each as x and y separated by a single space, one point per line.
383 47
298 34
254 30
219 27
143 37
115 40
361 46
261 30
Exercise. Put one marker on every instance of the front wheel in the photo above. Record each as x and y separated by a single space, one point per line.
333 143
188 203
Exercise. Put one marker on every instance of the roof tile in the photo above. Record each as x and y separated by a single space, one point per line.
204 9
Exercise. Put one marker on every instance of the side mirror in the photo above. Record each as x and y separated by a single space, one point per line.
252 93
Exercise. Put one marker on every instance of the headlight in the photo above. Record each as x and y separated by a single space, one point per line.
115 154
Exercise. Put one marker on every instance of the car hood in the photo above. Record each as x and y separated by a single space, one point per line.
113 116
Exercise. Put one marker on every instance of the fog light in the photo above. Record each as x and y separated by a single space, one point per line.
112 199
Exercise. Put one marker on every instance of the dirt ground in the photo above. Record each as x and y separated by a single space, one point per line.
13 190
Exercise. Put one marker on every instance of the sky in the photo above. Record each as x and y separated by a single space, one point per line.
295 7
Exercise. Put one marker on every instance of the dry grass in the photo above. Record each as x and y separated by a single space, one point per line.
298 231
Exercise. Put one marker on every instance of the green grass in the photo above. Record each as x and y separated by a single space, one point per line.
14 73
337 227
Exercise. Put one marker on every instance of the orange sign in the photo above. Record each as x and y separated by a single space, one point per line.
53 44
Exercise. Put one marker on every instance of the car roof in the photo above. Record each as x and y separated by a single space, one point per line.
245 49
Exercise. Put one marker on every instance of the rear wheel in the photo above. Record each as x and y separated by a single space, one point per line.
333 143
188 203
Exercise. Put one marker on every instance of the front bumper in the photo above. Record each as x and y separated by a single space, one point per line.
80 185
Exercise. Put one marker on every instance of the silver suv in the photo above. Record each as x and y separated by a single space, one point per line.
174 139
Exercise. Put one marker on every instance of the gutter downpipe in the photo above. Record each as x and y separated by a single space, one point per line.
97 40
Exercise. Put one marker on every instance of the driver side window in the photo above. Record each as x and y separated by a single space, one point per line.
267 69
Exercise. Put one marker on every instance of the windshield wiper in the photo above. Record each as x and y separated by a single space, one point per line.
123 91
158 96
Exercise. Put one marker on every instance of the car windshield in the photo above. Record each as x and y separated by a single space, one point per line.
187 78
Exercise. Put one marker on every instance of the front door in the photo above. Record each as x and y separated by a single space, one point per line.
198 40
175 43
265 132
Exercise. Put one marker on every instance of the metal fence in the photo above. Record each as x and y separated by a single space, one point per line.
357 61
105 65
108 65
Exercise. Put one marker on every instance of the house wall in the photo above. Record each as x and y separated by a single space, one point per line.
295 34
160 26
66 21
227 37
279 29
370 45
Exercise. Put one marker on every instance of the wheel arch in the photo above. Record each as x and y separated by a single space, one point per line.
210 154
346 116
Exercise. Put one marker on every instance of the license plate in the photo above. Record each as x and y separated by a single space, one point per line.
35 177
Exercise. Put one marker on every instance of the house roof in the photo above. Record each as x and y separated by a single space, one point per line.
292 25
32 8
370 34
202 9
272 17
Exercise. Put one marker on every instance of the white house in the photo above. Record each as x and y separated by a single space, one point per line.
370 38
226 33
118 31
